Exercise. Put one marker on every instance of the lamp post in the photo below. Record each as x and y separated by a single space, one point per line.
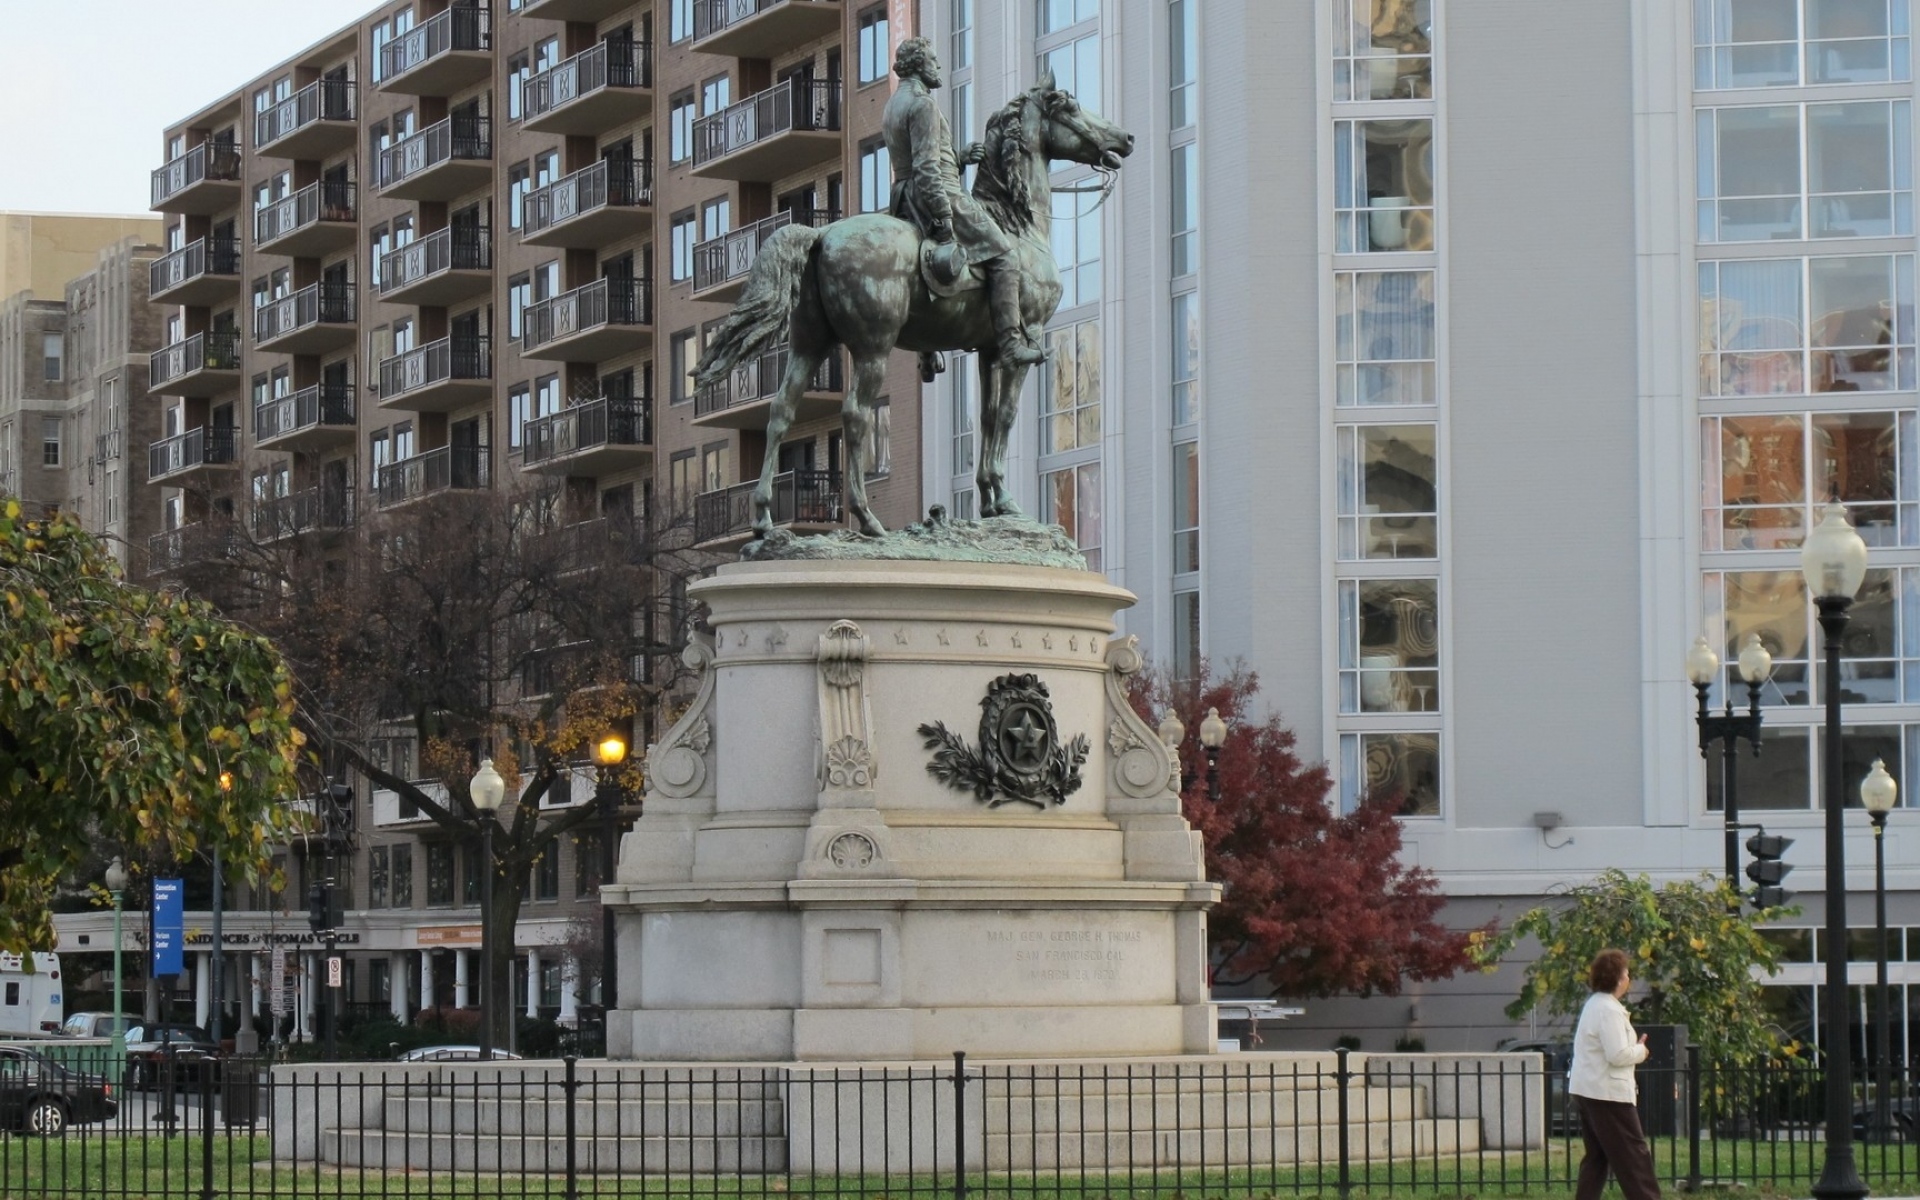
219 959
116 881
1703 667
609 752
1834 562
1213 735
486 789
1878 791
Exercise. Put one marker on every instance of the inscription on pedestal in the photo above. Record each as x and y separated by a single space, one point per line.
1069 955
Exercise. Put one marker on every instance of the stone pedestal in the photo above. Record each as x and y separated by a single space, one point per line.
802 887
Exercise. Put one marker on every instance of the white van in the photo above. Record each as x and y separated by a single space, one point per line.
30 1002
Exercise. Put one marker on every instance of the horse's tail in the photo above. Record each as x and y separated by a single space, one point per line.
759 321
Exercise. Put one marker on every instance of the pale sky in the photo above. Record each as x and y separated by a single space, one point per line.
90 85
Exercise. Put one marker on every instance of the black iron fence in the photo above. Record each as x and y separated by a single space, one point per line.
1226 1126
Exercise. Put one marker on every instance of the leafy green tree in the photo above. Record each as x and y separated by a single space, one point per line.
120 709
1693 948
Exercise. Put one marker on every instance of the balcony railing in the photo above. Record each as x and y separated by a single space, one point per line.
602 422
327 200
462 138
209 161
440 470
623 183
434 363
728 257
618 302
760 28
195 260
324 303
321 100
606 65
209 445
462 27
799 498
302 512
759 379
175 548
216 351
455 248
324 405
799 103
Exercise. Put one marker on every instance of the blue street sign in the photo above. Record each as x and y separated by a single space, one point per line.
169 927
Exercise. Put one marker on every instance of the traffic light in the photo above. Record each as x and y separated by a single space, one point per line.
336 810
319 919
1767 870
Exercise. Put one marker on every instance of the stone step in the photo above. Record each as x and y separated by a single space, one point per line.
1167 1110
392 1150
618 1112
1373 1141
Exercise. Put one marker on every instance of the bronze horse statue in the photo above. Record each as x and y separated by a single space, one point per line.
857 283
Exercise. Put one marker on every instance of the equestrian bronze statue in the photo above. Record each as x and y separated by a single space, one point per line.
946 271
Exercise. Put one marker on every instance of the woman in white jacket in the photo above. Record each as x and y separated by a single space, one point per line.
1605 1052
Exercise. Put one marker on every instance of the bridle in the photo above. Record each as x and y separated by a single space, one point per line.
1109 176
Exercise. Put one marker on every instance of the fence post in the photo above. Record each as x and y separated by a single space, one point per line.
571 1087
1342 1076
1693 1118
959 1125
207 1065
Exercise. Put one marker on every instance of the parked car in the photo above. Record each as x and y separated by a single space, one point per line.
453 1054
1557 1057
149 1047
39 1095
93 1024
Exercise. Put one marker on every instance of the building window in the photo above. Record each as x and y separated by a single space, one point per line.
1772 471
1794 326
518 71
519 183
1186 509
1389 645
546 873
876 176
681 483
715 94
546 168
1070 391
49 441
1383 337
53 348
1806 171
684 355
680 266
716 218
1403 768
1186 634
378 872
716 466
1183 62
1388 494
1383 53
1076 246
546 396
874 46
1056 15
681 113
402 881
586 864
1071 498
546 54
1186 358
679 20
879 463
439 873
1184 162
963 371
519 295
519 412
962 35
546 280
1383 185
1739 44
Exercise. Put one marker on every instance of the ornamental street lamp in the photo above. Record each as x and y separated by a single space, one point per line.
487 790
1833 561
1213 735
116 881
609 752
1703 667
1878 792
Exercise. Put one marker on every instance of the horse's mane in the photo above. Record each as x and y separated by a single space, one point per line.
1003 184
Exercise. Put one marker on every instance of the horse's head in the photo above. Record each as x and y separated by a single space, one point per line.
1041 125
1071 133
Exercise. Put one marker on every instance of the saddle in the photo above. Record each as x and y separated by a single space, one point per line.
945 269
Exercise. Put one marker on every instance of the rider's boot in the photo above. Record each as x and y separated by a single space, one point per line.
1003 293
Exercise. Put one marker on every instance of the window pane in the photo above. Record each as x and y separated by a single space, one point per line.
1388 492
1382 52
1186 508
1772 604
1383 336
1761 484
1402 767
1383 185
1186 358
1780 777
1389 646
1186 634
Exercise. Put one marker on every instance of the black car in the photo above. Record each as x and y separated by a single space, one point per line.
155 1050
40 1096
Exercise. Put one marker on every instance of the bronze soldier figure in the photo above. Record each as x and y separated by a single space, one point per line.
927 192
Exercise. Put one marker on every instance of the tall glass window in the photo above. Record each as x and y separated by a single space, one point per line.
1384 337
1382 51
1184 213
1806 171
1186 508
1383 185
1388 494
1793 326
1783 43
1186 358
1076 246
1764 476
1183 63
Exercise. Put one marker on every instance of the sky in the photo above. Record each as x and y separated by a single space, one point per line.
91 84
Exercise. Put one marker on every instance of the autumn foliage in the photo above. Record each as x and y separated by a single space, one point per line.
1316 902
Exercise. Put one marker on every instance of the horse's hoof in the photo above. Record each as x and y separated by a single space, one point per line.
872 528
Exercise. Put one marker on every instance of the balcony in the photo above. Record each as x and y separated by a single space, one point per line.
589 324
803 501
199 273
439 269
318 219
592 439
440 55
314 418
761 28
390 809
591 92
202 181
741 400
187 545
446 469
590 208
194 450
787 128
572 10
206 364
302 512
442 161
721 265
438 377
313 320
312 123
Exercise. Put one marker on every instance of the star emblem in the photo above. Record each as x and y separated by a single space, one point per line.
1025 741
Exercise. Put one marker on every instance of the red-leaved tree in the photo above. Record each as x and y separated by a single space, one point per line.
1317 902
